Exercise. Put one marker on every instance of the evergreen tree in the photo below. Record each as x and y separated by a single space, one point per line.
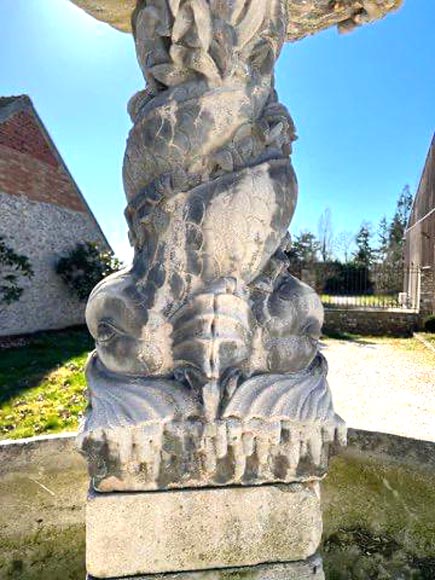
364 253
397 227
304 251
383 239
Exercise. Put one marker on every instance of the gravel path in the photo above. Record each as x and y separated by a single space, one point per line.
384 385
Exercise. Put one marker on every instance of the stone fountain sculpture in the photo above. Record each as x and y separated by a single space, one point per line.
207 392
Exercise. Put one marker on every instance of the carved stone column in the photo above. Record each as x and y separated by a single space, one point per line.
206 380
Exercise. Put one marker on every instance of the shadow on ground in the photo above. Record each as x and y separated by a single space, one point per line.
347 337
22 367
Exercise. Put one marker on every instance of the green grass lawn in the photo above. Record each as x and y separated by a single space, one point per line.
358 301
42 384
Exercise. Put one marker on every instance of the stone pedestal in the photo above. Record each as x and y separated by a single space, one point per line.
210 421
201 529
427 291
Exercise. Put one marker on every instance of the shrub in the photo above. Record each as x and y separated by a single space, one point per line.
13 266
429 323
348 279
84 266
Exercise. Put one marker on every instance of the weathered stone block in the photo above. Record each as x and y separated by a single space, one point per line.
311 568
203 529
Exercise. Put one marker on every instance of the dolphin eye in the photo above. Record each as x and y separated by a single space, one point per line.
106 332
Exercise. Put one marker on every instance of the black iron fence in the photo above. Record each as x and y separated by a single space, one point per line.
379 286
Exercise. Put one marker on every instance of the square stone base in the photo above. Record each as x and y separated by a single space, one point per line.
148 533
310 569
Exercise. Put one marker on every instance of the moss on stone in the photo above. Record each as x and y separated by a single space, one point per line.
52 554
379 519
359 554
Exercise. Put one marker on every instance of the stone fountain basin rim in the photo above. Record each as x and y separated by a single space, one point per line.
58 451
303 21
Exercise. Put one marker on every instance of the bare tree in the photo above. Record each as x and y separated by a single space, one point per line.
343 244
325 235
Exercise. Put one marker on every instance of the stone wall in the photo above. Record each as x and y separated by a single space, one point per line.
41 178
22 133
370 322
427 291
380 487
43 485
43 232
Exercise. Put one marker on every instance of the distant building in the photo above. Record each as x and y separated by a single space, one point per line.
420 233
42 215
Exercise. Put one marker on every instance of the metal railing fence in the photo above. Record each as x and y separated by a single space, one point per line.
378 286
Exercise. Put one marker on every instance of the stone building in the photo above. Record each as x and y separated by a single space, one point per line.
420 233
42 215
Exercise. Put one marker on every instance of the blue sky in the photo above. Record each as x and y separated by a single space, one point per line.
363 104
